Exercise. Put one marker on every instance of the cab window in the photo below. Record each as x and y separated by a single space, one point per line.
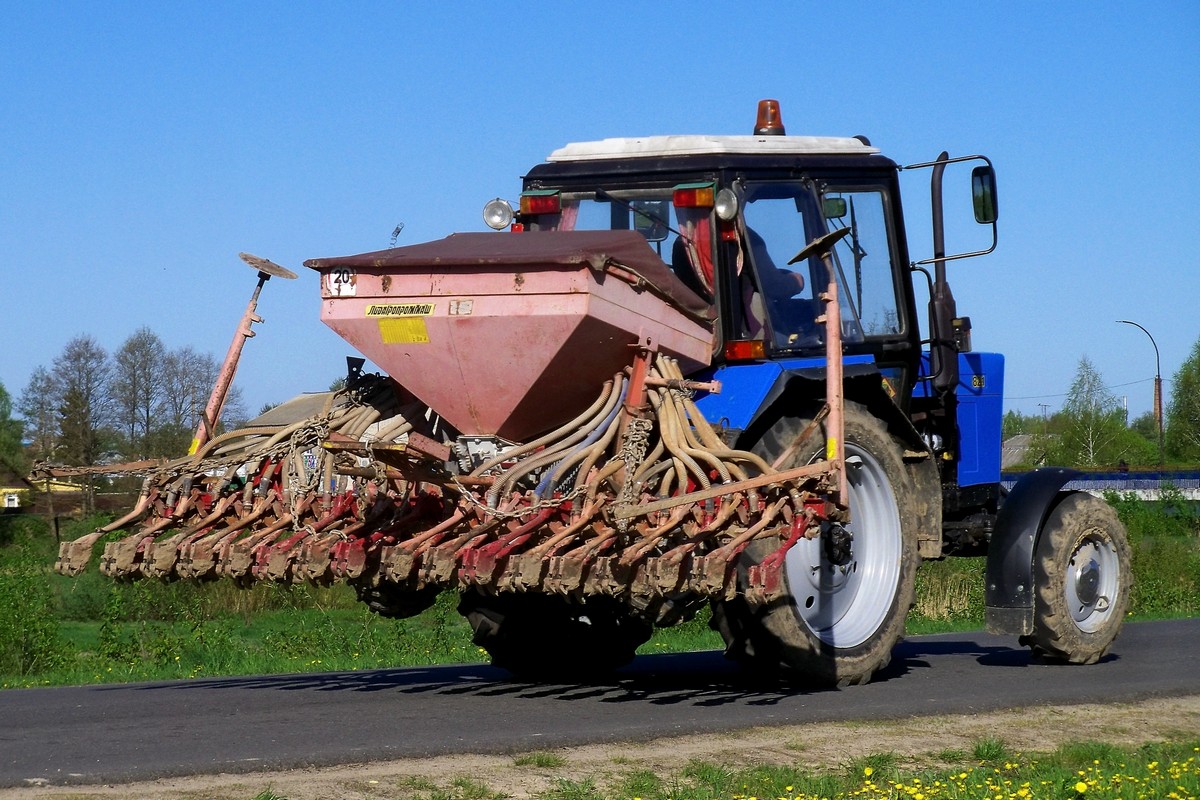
784 299
650 212
865 256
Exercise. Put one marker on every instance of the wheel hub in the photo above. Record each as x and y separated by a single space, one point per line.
1087 582
839 545
1091 582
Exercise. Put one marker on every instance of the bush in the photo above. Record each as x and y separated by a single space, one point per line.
29 636
1164 537
1171 515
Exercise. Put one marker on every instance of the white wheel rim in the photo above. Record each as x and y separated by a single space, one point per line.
1093 577
845 605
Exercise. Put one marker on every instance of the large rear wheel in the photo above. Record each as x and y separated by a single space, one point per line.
848 591
549 637
1082 578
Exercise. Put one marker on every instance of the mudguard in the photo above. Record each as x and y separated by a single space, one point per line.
751 393
1008 585
748 389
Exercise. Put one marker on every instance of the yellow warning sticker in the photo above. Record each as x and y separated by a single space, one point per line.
399 309
403 330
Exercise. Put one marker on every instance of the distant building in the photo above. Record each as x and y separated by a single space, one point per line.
16 491
1014 451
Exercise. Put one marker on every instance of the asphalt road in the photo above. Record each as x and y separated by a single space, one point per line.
112 734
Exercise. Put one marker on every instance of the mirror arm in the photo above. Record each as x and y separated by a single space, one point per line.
939 257
959 256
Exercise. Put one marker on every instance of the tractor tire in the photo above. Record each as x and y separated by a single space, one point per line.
846 602
396 602
756 650
1082 579
549 637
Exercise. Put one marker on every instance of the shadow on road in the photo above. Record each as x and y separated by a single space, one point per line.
701 679
914 653
698 679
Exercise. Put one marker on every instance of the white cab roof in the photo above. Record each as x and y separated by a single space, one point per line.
689 145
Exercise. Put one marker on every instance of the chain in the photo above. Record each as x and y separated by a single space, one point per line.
634 444
553 502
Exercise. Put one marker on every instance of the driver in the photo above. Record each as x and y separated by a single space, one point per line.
778 283
791 315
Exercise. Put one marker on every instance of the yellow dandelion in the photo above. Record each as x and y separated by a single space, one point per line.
1081 787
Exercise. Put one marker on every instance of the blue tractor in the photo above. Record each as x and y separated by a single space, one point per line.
922 411
691 373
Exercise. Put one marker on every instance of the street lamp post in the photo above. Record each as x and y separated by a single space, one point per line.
1158 410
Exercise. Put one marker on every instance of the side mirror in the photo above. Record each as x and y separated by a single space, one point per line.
650 218
834 207
983 195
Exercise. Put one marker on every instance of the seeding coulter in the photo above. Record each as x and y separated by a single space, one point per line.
640 401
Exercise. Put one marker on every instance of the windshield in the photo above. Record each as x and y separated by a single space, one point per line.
781 218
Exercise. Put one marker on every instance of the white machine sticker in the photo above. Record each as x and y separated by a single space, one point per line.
341 282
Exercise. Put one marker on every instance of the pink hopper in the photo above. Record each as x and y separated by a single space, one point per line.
512 334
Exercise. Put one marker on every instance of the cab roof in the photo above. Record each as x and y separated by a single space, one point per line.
687 145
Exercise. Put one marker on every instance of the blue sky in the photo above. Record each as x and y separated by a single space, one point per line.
143 147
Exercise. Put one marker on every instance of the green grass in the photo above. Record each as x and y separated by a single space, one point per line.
949 597
540 760
57 630
687 637
990 749
1086 770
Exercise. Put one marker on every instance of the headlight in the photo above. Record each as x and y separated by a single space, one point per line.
727 204
498 214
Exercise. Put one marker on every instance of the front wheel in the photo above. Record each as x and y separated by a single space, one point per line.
1082 578
848 591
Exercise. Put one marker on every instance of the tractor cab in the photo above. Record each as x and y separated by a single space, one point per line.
729 214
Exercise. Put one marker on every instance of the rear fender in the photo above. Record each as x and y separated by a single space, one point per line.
748 390
1008 585
800 392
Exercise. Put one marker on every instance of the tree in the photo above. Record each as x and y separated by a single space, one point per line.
39 408
81 373
1046 448
1182 436
12 453
80 444
1094 432
1015 423
1145 426
188 378
185 392
233 415
138 390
